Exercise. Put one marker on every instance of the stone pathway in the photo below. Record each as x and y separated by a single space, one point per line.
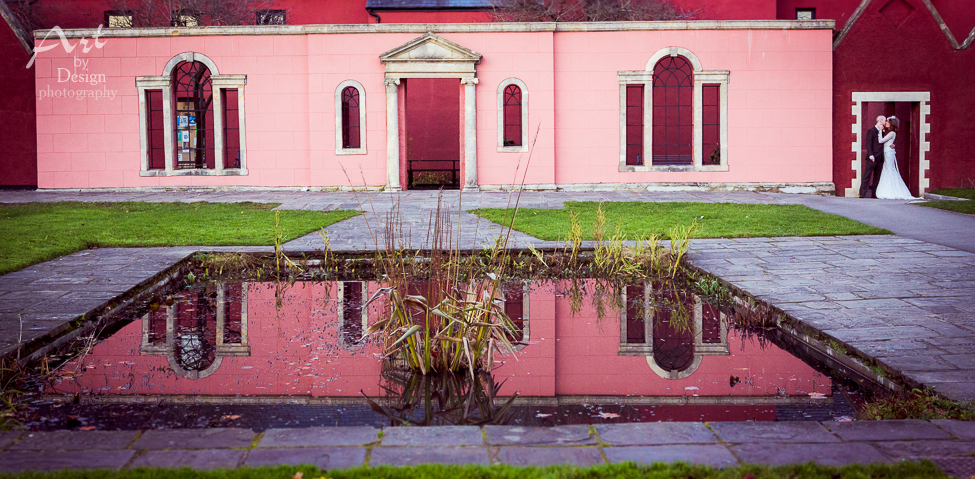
905 302
720 444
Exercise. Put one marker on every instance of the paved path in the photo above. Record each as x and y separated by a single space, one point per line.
721 444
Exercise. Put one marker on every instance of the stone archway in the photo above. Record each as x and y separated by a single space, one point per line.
430 56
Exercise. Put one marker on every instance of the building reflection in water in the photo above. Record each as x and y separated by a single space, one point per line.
673 329
199 329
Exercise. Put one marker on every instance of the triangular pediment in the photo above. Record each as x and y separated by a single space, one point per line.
431 48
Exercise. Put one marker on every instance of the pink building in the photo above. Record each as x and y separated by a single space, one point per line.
717 104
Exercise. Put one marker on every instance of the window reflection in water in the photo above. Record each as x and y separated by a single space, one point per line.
198 329
354 319
673 329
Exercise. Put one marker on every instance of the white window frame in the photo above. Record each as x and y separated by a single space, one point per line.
164 82
701 76
523 148
339 150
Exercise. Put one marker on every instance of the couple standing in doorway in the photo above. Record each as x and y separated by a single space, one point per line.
880 175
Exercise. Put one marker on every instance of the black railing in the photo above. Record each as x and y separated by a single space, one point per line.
433 174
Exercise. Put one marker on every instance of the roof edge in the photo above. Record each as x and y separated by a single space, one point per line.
22 34
421 28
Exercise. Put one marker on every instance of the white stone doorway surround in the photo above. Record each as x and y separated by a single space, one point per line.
920 97
430 56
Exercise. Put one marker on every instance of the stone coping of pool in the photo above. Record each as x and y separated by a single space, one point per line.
948 443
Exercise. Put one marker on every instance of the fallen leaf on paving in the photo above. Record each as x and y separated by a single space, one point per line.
86 428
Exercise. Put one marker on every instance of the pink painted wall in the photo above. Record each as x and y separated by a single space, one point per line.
779 106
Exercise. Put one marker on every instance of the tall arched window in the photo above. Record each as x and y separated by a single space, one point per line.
192 119
350 117
512 115
193 129
673 112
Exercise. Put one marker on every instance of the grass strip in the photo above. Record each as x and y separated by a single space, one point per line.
636 220
37 232
906 470
967 193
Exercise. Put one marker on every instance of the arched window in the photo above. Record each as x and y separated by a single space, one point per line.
202 110
673 112
193 129
512 115
350 117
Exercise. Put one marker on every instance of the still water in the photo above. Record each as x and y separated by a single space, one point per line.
264 354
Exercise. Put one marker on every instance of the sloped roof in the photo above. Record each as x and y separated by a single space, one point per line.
427 4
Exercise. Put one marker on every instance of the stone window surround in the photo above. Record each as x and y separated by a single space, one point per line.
523 148
701 77
339 150
164 82
920 97
700 348
364 314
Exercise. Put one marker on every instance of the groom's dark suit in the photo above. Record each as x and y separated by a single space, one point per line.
871 168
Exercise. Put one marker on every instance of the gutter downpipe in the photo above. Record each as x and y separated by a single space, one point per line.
370 12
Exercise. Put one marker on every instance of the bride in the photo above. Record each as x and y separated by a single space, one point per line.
891 185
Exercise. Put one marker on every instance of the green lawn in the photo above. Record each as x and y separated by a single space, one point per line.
967 207
968 194
899 470
36 232
714 220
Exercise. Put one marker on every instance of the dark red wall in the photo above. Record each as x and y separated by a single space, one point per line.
959 15
433 120
18 127
839 10
729 9
879 55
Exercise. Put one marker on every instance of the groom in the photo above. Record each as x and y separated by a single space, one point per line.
875 160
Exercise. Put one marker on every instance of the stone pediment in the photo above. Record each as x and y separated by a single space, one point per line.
430 56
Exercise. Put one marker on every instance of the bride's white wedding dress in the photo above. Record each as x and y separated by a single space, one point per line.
891 185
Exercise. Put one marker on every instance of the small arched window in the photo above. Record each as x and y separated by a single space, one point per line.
512 115
673 113
350 117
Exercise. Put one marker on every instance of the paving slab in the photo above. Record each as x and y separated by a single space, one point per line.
924 449
713 455
547 456
7 437
887 430
323 457
407 456
74 440
195 459
56 460
319 437
539 436
638 434
825 454
195 438
762 432
433 436
960 429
